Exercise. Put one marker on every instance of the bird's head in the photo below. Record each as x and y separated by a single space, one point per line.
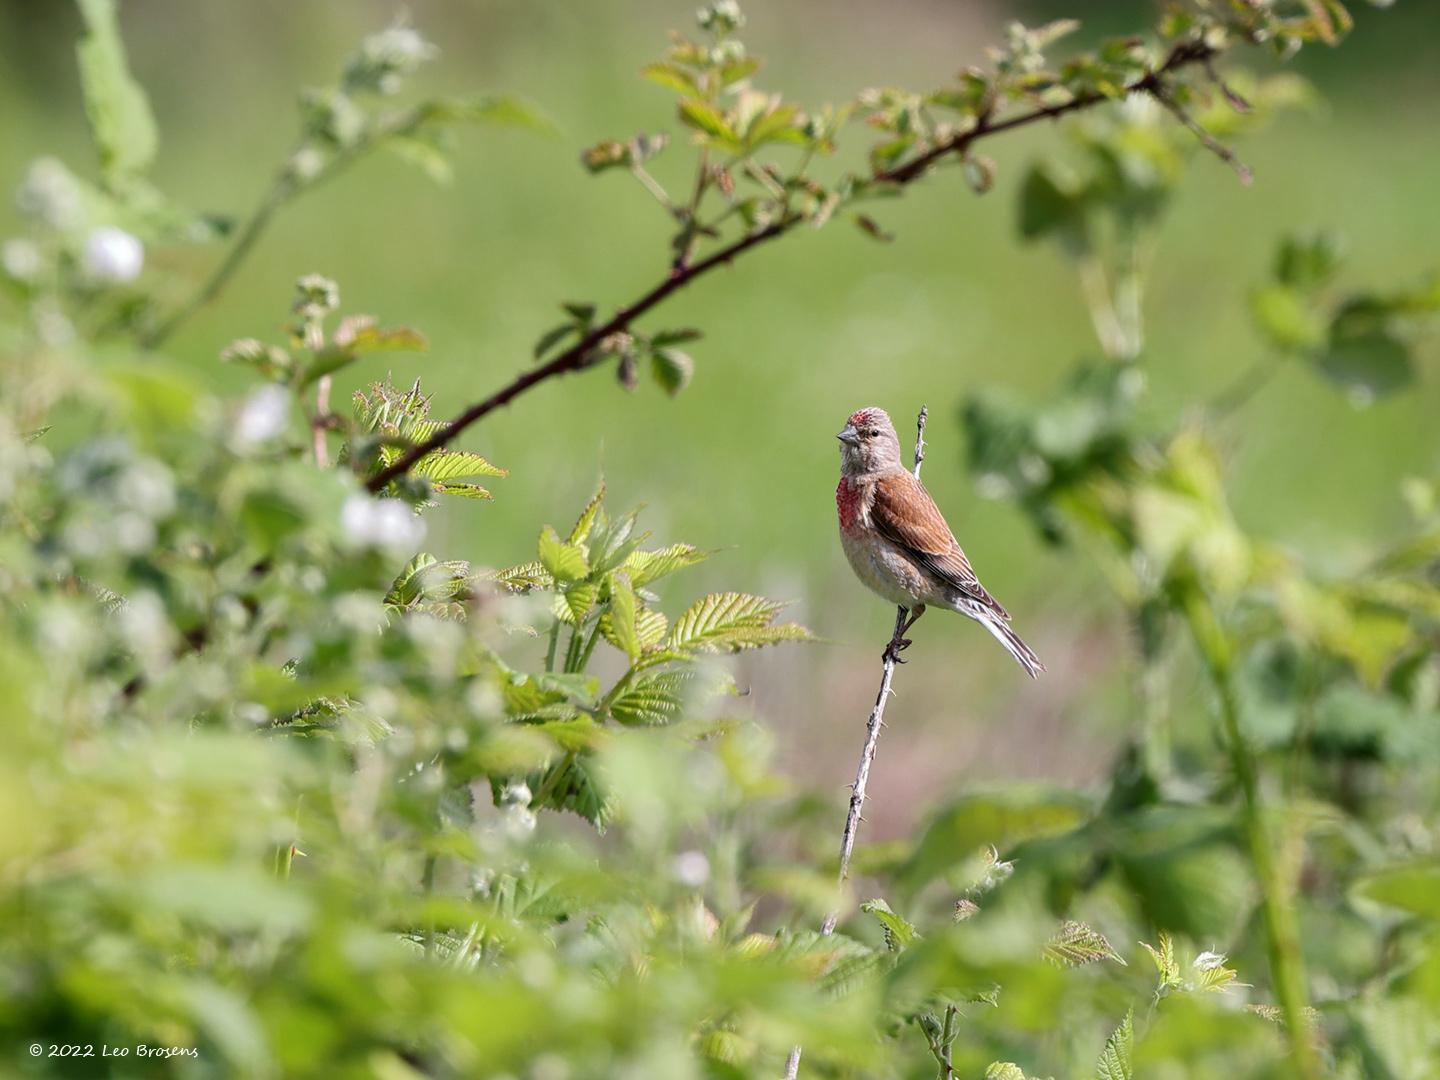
868 443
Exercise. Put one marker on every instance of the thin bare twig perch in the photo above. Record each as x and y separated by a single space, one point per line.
872 741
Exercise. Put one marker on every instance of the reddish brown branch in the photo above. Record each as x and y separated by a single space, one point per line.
582 353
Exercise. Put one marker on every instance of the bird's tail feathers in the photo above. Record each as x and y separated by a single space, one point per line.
1014 644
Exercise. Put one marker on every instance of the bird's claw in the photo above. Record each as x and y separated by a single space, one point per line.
894 649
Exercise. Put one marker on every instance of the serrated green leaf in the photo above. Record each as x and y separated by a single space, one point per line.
1076 943
522 578
570 785
426 584
647 566
1114 1063
651 627
1004 1070
672 76
899 933
464 491
652 699
565 562
618 625
368 339
708 120
1164 956
579 599
440 466
586 521
119 112
730 622
672 369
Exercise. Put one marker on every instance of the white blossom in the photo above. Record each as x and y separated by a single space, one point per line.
21 260
112 255
691 868
262 416
381 523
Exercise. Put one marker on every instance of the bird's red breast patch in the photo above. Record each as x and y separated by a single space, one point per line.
847 501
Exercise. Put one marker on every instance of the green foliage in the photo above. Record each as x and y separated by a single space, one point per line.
287 786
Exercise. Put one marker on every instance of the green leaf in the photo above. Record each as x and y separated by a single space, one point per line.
647 566
652 700
731 622
120 118
672 76
370 338
429 585
1368 365
442 466
672 369
899 933
503 109
674 337
579 599
1004 1070
586 521
651 627
565 562
1051 204
618 623
777 124
1306 262
1413 887
570 785
1286 318
1001 819
1114 1063
464 491
708 120
1076 943
1163 953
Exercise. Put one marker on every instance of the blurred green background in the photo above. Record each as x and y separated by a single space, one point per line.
797 335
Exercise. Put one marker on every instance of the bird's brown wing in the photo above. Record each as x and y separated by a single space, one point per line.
906 515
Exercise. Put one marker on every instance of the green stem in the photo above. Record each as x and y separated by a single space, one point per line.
427 883
572 651
554 640
589 647
1287 971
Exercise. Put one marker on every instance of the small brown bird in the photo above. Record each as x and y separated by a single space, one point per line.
898 542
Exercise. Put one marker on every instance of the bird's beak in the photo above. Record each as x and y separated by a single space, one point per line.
848 436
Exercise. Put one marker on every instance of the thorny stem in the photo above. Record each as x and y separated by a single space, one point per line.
1282 938
872 740
581 355
319 425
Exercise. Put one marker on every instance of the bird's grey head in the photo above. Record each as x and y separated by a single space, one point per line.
868 444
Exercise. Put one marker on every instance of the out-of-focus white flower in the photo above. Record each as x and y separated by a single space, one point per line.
383 523
53 328
385 58
112 255
50 195
21 260
691 869
262 416
519 820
